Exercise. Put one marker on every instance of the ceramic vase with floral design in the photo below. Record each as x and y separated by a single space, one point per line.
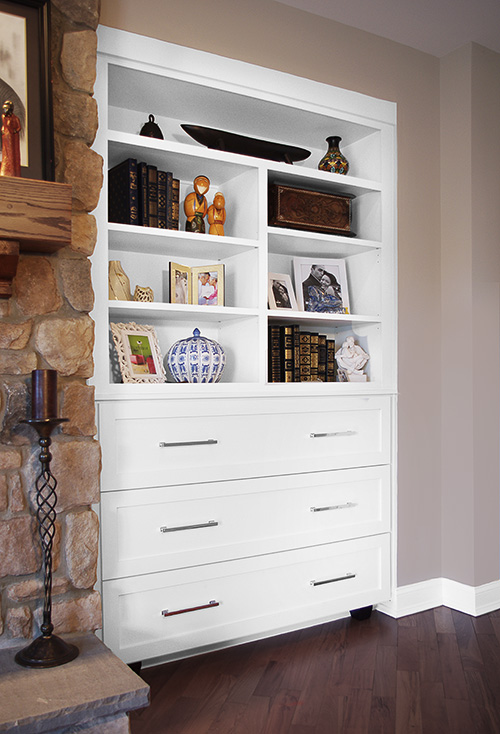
333 160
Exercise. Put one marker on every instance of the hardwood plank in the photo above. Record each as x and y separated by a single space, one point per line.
407 657
384 683
282 711
460 720
408 703
433 706
467 641
485 708
454 683
382 715
444 620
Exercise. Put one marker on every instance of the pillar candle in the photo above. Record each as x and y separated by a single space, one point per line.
43 394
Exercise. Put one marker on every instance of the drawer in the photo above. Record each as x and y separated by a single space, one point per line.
150 530
160 443
191 610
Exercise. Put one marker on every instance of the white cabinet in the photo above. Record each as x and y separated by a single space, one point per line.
244 492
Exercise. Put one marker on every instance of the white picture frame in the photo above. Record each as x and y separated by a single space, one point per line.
313 292
138 351
280 292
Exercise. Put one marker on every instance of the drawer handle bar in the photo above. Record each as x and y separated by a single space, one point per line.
209 524
333 434
210 605
331 581
346 506
207 442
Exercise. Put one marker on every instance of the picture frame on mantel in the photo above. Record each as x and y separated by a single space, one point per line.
25 80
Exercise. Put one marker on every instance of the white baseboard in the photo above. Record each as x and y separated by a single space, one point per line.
473 600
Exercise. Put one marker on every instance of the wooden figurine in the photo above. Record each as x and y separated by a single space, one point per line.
217 215
11 128
195 205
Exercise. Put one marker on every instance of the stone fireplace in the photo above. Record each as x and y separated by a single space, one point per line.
46 324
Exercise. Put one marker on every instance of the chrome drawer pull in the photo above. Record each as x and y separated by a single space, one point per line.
209 524
347 506
207 442
331 581
331 435
210 605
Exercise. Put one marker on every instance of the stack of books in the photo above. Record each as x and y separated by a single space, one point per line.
300 356
140 194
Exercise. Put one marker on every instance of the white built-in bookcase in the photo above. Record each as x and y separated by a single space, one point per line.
138 77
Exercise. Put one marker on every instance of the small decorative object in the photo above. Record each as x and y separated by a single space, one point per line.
195 205
351 358
333 160
196 359
310 210
234 143
151 130
11 151
280 291
144 294
119 284
138 352
217 215
321 284
47 650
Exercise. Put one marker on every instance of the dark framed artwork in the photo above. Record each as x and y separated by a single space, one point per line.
25 80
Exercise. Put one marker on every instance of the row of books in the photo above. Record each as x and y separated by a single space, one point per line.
140 194
300 356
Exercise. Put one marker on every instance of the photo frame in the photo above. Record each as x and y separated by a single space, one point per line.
313 291
179 279
280 292
207 285
139 355
25 76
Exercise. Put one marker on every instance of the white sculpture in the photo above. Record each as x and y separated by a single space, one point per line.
351 358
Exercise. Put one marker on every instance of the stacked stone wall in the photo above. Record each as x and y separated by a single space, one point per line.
46 324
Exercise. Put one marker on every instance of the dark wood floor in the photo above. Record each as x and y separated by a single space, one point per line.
437 672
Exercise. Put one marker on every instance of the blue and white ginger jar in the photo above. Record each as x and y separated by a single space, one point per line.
196 359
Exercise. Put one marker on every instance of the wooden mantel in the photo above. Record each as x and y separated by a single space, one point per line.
35 216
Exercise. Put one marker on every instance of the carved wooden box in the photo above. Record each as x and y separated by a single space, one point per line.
310 210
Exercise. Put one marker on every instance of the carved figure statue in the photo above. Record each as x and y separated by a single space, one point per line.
352 358
195 205
217 215
11 129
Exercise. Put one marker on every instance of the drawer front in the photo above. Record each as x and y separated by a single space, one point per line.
188 611
149 530
159 443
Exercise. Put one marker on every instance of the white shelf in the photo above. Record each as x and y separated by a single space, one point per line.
186 313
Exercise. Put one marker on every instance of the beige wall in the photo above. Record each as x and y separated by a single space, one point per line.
277 36
470 267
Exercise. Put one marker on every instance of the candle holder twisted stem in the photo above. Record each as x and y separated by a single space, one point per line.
47 650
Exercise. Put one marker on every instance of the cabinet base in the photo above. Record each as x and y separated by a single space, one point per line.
361 613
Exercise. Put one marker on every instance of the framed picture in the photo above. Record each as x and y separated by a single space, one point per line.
321 285
180 286
207 285
138 352
280 291
25 81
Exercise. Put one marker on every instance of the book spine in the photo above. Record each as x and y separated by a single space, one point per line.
142 183
296 352
175 203
162 199
274 353
123 203
153 196
305 356
322 358
286 347
168 201
331 364
314 356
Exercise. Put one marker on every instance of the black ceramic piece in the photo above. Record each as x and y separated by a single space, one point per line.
234 143
151 129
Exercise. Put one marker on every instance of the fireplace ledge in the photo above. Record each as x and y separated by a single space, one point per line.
94 691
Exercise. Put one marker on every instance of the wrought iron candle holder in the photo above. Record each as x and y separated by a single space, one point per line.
47 650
